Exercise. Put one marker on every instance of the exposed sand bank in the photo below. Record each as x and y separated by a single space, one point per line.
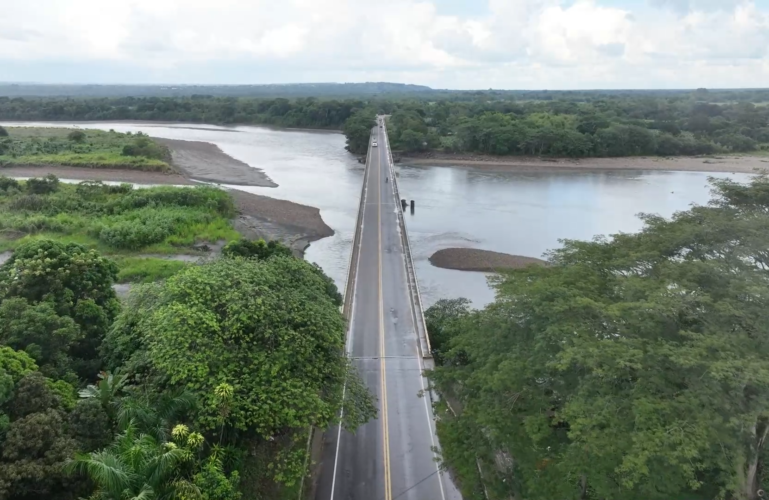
717 163
204 161
473 259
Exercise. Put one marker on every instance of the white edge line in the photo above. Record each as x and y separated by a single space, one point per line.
348 341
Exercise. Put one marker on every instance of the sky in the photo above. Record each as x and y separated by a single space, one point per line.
457 44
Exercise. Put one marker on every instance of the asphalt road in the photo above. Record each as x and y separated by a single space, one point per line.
389 458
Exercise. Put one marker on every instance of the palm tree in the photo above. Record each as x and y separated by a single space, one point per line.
137 467
106 390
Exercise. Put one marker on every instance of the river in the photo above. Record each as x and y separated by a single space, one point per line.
517 213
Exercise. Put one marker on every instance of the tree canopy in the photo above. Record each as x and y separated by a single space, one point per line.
631 367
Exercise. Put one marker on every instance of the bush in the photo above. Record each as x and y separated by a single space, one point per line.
32 202
259 249
7 183
76 136
144 146
49 184
3 132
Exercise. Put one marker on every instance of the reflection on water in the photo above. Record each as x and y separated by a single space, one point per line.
518 213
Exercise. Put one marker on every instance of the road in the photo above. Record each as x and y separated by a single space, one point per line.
390 458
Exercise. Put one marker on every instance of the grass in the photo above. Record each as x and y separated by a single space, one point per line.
28 146
147 269
121 222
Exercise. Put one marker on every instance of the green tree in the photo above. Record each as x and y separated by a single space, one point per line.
629 368
75 281
3 132
36 444
269 328
357 130
41 333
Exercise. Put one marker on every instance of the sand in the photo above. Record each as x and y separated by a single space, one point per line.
473 259
735 163
204 161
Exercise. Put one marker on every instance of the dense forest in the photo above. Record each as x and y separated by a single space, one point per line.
628 368
559 124
203 386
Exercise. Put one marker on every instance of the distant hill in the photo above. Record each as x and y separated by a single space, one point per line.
268 91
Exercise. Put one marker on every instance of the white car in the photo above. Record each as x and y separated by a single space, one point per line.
373 144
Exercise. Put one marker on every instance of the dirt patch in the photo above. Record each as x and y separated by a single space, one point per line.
473 259
97 174
742 164
204 161
293 224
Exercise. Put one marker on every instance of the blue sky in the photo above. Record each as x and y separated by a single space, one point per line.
525 44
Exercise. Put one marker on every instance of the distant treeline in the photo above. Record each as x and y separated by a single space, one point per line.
303 112
571 124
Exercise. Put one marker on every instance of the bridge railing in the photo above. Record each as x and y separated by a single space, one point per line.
352 266
411 274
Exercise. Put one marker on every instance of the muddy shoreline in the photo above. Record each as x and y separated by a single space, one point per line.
715 163
485 261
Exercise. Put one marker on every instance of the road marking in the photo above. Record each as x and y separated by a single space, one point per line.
348 341
385 425
420 361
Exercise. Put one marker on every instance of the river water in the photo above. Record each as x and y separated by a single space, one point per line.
517 213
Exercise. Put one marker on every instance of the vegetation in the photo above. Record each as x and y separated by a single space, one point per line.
82 148
213 376
631 367
116 220
573 124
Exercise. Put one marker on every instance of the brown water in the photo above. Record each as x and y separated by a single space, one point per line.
524 214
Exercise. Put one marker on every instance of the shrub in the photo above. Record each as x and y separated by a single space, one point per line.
7 183
144 146
259 249
76 136
31 202
49 184
3 132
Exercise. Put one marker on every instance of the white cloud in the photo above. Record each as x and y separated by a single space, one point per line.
513 44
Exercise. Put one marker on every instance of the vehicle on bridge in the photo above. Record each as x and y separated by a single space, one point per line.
373 144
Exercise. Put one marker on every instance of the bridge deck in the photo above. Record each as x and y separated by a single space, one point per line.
389 458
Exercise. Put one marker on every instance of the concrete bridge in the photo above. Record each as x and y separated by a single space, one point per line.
391 458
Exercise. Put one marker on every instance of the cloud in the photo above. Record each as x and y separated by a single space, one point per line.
507 44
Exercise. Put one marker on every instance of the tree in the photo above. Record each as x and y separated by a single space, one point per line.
440 319
629 368
3 132
268 328
41 333
75 281
357 130
36 444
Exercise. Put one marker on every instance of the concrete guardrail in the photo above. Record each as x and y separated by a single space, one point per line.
416 297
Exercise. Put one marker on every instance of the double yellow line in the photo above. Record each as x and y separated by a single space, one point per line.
385 426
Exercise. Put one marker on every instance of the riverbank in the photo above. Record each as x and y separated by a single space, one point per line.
203 161
474 259
738 163
293 224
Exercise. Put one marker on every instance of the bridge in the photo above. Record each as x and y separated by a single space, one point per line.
392 457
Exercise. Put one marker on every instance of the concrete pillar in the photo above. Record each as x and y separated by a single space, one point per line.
412 206
404 204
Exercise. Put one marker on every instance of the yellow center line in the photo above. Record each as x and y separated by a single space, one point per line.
385 426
